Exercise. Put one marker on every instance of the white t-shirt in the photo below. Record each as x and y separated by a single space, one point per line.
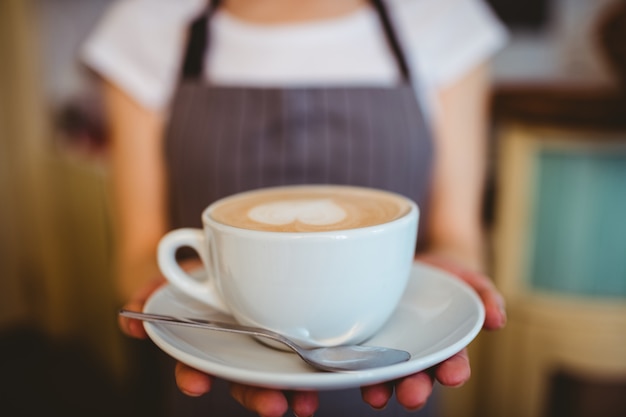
139 46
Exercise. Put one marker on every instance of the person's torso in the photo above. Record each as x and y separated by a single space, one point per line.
227 138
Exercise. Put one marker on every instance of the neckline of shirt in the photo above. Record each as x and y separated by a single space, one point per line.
357 22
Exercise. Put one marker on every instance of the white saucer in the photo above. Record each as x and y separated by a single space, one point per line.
438 316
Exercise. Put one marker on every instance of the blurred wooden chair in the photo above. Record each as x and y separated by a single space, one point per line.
559 247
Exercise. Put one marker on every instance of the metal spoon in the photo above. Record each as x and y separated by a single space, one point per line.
337 358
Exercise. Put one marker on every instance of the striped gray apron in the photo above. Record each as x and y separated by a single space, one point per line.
226 139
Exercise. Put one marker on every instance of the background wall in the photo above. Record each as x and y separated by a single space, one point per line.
58 328
563 50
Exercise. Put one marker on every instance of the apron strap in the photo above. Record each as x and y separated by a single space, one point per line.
392 39
197 43
199 39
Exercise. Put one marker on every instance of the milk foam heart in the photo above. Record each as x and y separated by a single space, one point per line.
303 209
313 212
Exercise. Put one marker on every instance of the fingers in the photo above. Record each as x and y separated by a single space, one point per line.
191 381
274 403
304 403
131 327
377 396
455 371
265 402
413 391
495 310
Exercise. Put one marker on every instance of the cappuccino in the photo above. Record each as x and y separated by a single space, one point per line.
335 287
310 209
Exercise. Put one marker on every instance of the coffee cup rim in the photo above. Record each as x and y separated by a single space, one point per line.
413 211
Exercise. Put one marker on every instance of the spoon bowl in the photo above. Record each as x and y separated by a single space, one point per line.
333 359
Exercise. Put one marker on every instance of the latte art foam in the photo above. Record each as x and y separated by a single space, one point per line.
309 209
311 212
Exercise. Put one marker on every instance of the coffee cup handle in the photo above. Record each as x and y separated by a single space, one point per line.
204 290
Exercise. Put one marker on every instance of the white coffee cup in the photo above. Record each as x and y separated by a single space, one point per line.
295 261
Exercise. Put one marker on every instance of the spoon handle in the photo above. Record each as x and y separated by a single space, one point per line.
209 325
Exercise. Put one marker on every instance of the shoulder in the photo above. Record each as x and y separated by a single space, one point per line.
138 44
427 14
447 38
